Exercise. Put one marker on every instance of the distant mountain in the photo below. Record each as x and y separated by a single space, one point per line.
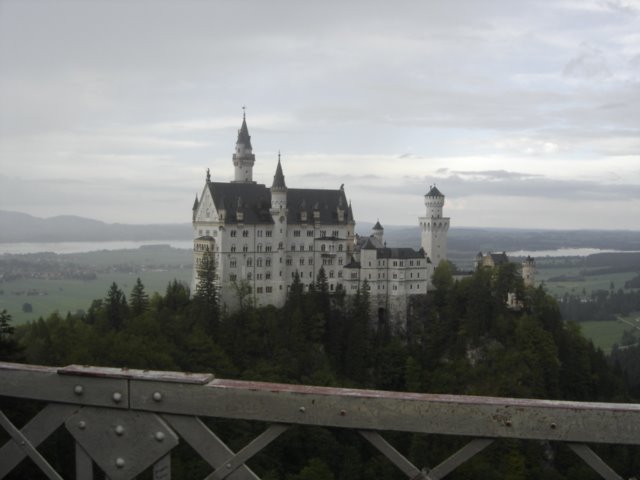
21 227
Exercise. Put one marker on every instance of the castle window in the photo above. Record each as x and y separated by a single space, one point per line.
411 263
267 233
233 248
323 247
249 262
395 264
258 276
296 233
248 275
323 233
301 248
245 233
288 261
267 262
335 233
259 248
339 273
310 247
401 263
310 261
331 287
331 273
395 276
340 247
233 277
293 248
233 233
301 261
418 262
309 233
259 262
267 276
259 233
245 248
232 263
259 289
269 289
280 246
340 261
267 248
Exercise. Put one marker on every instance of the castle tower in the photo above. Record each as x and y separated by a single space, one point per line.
278 189
528 271
279 213
434 227
378 232
243 158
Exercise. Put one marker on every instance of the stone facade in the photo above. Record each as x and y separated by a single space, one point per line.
262 236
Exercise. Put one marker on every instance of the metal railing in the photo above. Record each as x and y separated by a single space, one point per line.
127 421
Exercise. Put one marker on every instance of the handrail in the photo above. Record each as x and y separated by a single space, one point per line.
89 400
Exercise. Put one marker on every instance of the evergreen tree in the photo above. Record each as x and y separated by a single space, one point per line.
206 295
138 299
115 307
9 347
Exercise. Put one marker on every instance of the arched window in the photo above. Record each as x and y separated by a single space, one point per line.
233 248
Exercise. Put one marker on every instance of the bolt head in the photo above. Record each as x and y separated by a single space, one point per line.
78 389
159 436
157 396
302 409
119 462
119 429
82 424
117 397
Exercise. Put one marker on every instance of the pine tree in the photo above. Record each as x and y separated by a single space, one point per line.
115 307
206 295
9 348
138 299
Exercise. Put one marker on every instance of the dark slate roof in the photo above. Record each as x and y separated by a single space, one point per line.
278 178
372 241
377 226
243 134
325 201
434 192
499 258
400 253
195 204
352 263
368 245
254 200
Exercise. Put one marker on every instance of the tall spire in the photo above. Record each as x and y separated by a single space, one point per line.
278 178
243 134
243 158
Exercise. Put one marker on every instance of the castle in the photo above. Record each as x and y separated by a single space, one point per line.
261 237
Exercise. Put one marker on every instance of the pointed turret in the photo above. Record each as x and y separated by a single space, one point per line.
243 158
278 178
378 232
278 189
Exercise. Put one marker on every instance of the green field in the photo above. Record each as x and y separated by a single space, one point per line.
589 283
605 334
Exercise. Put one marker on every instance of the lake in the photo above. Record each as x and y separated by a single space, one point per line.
81 247
564 252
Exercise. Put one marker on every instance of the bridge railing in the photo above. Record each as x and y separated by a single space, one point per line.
127 421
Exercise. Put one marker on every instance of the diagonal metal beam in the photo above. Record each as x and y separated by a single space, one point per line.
257 444
594 461
38 429
29 449
395 457
454 461
207 444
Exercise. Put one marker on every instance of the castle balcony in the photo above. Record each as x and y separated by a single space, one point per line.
124 423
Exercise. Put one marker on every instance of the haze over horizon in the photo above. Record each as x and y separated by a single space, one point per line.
524 114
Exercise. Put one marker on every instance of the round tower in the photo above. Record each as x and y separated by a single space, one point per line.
243 158
434 226
528 271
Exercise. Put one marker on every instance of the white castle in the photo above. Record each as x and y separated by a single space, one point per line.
262 236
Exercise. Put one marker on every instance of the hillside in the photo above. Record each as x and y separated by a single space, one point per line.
20 227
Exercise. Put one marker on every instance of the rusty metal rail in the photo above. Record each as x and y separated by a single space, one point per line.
127 421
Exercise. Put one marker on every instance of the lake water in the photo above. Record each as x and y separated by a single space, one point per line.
562 252
81 247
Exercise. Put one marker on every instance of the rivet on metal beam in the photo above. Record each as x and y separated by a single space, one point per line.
302 409
159 436
82 424
119 462
553 426
78 389
343 413
508 423
157 396
117 397
228 465
119 430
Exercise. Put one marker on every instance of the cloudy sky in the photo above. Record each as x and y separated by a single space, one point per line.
523 113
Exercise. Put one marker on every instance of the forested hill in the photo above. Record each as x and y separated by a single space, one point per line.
20 227
462 339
